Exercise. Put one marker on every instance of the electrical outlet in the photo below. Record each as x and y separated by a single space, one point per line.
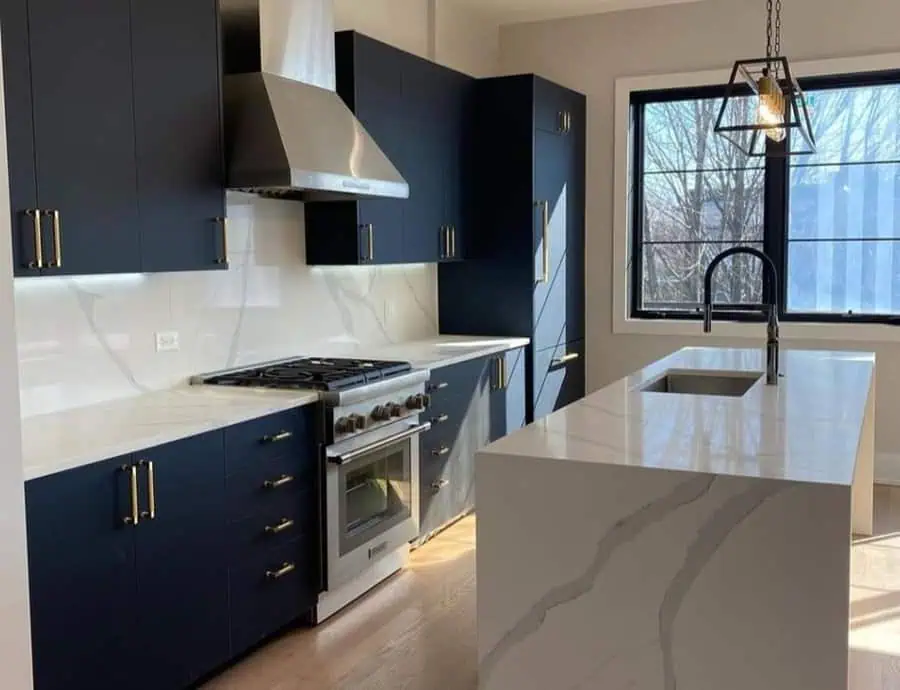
167 341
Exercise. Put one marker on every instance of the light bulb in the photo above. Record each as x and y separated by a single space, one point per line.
770 111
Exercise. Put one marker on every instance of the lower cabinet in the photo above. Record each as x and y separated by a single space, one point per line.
558 377
472 404
143 575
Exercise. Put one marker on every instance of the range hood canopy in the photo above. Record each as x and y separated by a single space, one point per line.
288 133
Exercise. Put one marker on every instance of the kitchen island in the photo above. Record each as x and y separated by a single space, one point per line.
674 539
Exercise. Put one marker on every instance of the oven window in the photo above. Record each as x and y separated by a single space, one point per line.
377 494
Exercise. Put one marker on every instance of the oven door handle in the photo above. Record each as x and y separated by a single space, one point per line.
413 430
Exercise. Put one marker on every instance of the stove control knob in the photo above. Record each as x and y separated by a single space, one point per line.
381 413
395 409
344 425
358 421
415 402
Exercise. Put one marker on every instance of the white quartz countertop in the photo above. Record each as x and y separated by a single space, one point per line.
60 441
805 429
72 438
446 350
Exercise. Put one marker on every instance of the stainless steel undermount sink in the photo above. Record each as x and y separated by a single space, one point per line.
732 384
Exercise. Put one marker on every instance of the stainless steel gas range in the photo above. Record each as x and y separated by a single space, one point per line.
371 462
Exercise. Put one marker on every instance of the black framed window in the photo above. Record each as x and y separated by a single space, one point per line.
830 221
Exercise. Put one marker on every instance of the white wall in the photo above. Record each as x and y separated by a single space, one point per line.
590 53
15 633
88 340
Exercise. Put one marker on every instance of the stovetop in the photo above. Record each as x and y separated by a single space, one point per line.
312 373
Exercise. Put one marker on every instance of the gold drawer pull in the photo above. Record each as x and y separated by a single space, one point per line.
285 569
275 483
280 527
280 436
135 516
38 244
440 420
443 450
571 357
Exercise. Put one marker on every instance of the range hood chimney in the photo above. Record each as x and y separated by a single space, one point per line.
288 133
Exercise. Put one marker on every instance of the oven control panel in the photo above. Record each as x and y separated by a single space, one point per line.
349 420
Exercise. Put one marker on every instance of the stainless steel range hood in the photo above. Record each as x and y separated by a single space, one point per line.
287 131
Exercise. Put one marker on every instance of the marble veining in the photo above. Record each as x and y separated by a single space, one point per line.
623 531
87 340
805 429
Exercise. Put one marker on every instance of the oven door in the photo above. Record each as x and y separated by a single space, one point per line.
372 497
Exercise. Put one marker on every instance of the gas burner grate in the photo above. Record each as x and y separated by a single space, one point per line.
313 372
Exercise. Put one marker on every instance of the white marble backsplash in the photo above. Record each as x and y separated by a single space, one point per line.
88 340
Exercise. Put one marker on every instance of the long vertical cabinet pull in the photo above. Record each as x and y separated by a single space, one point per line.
151 489
38 244
223 225
57 239
545 241
369 254
452 241
135 516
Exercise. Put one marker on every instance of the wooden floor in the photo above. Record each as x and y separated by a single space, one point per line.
417 631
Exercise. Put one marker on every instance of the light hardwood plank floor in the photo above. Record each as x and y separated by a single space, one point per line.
417 630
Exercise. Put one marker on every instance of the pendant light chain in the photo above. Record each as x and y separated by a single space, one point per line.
769 47
778 27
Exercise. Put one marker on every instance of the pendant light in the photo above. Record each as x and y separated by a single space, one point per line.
763 101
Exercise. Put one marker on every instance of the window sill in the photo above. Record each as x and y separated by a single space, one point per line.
846 332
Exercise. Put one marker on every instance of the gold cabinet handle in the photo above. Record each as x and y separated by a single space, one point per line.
443 450
439 484
545 241
568 122
562 121
501 372
440 420
280 436
452 241
437 386
151 489
285 524
57 262
571 357
285 569
135 516
223 224
275 483
370 242
38 244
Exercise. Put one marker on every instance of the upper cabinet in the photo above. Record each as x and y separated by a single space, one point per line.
418 112
527 274
115 148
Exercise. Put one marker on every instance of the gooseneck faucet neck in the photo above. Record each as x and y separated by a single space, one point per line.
770 274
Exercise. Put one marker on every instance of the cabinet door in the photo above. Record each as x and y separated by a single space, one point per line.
81 567
180 169
19 133
379 106
424 86
84 133
508 403
182 567
457 98
552 210
558 378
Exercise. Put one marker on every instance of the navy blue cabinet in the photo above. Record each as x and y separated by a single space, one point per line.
419 113
472 404
81 566
120 172
524 274
152 570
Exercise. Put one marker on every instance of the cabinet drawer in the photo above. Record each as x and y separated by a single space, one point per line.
558 377
262 601
290 517
273 484
285 433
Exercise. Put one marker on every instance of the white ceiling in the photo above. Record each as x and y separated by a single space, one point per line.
510 11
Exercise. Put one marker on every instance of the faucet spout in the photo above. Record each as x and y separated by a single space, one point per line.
770 273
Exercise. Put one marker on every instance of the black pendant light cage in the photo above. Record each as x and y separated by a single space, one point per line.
763 101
